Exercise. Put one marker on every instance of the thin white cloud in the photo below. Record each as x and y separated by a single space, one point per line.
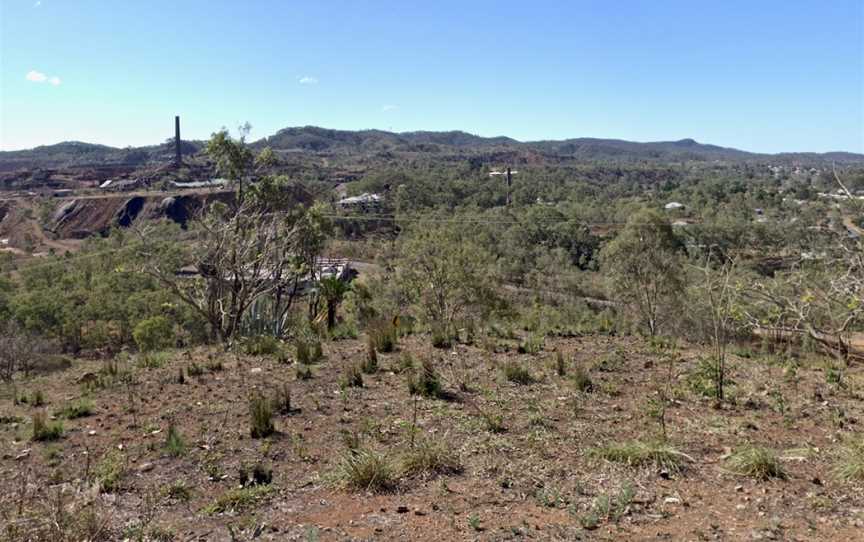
308 80
37 4
38 77
389 107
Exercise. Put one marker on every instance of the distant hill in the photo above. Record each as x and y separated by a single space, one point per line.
323 141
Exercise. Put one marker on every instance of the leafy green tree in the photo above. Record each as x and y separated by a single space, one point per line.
643 267
446 275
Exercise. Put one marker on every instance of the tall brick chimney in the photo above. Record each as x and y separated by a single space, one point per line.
178 155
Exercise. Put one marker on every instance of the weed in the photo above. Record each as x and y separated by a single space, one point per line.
44 430
301 349
109 471
382 335
756 462
517 374
154 360
406 363
441 337
474 522
366 470
639 453
304 372
194 370
260 416
343 331
611 362
214 366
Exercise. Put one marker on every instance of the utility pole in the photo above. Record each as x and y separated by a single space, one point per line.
509 184
178 155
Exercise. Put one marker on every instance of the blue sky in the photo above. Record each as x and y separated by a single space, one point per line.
764 75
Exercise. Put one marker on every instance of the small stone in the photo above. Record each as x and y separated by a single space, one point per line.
255 370
91 432
672 500
739 489
145 467
402 510
418 512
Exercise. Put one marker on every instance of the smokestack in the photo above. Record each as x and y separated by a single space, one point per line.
178 158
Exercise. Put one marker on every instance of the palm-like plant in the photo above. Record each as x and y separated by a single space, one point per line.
333 291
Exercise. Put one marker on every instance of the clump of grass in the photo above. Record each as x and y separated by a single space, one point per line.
79 409
343 331
582 381
304 372
517 374
154 360
430 457
109 471
406 363
181 376
178 491
382 335
174 444
611 362
425 381
560 364
260 416
34 399
850 461
352 377
639 453
441 337
756 462
532 344
194 370
239 499
308 353
262 345
282 400
44 430
370 364
608 507
257 474
366 470
214 366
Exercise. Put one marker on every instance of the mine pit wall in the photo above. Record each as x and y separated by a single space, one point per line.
80 218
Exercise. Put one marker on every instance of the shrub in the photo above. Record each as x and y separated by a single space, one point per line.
155 333
304 356
109 471
756 462
174 443
406 363
850 461
352 377
441 337
260 416
177 491
366 470
343 331
154 359
517 374
194 370
44 430
425 381
637 453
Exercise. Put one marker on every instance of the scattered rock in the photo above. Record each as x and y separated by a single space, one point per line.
402 510
145 467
